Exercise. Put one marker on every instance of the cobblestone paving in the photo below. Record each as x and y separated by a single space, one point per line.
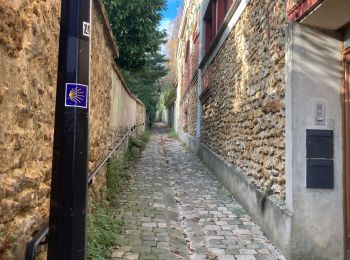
175 209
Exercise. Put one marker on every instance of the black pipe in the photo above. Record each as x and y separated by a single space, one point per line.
39 236
68 203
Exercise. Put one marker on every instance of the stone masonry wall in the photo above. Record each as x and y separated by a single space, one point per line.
28 55
244 116
29 31
189 69
141 118
189 109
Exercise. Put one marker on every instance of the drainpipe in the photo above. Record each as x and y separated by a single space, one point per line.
204 4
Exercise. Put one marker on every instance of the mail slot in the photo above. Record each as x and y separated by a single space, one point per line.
320 174
319 144
319 159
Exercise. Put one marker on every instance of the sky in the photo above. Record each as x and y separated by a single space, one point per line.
168 15
170 12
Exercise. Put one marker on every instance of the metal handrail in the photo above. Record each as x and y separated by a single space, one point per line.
41 235
36 240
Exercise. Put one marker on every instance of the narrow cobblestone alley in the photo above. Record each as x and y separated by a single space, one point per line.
175 209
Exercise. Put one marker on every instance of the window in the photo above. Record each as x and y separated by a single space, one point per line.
208 21
188 67
187 54
221 11
214 16
195 58
227 4
347 39
214 19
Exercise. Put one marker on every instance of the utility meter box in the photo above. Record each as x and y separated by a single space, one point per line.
319 159
319 144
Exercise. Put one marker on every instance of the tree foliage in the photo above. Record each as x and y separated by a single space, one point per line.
135 26
171 47
145 83
170 81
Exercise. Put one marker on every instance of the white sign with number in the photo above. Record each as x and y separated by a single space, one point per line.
86 29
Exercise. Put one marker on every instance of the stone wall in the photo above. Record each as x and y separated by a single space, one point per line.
189 109
243 116
29 31
28 55
167 116
188 58
141 118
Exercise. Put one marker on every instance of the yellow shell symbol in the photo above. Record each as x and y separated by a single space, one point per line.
76 95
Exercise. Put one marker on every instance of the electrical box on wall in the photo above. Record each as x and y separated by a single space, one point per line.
320 114
319 161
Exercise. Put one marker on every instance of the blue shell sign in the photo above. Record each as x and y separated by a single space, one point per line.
76 95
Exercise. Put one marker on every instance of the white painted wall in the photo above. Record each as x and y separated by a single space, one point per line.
123 112
313 75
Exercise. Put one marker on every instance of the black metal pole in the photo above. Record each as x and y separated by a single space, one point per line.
67 227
